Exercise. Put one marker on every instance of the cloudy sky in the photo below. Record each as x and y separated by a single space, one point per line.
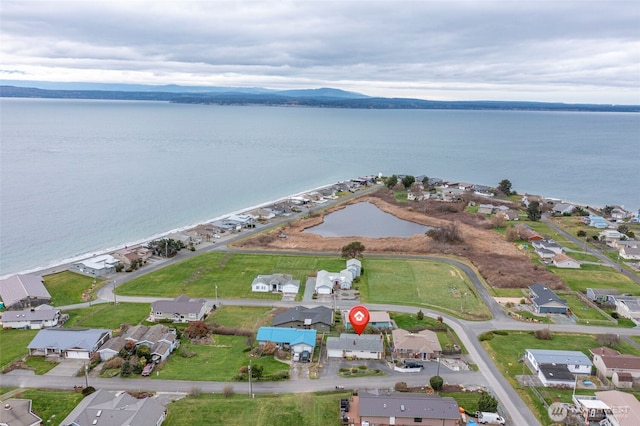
542 50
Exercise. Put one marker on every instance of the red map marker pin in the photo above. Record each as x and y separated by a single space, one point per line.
359 318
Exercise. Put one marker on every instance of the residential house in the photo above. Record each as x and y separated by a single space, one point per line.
575 361
451 195
563 208
618 213
625 408
628 307
403 408
23 291
530 235
207 231
591 409
598 222
17 412
555 375
129 255
262 214
547 248
564 261
289 338
630 252
111 408
608 361
161 341
421 345
42 316
68 342
355 266
545 301
601 294
486 208
529 198
319 318
275 283
326 281
611 237
97 266
180 309
510 214
364 346
379 320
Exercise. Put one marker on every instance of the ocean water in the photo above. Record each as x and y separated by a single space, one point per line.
79 177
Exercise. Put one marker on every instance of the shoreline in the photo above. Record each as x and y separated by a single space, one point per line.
72 259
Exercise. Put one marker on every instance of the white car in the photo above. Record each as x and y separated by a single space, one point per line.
296 356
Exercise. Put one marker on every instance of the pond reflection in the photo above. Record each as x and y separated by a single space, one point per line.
365 220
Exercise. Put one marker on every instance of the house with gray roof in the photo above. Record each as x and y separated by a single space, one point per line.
116 409
275 283
23 291
160 339
180 309
547 248
628 307
364 346
545 301
563 208
405 409
17 412
42 316
318 318
68 342
576 361
97 266
601 294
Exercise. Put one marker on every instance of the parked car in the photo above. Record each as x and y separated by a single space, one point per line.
296 356
147 369
492 418
413 364
305 357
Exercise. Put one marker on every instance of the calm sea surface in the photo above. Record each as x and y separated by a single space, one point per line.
79 177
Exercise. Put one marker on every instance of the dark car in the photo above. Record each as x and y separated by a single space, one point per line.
412 364
305 356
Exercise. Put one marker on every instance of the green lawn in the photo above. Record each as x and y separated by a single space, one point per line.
593 276
66 288
51 406
466 400
247 317
508 292
232 273
319 409
425 283
635 339
39 364
220 362
580 309
106 315
408 321
13 345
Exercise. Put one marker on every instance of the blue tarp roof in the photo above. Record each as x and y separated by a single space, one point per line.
289 336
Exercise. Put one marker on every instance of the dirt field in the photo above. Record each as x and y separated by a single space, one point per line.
499 261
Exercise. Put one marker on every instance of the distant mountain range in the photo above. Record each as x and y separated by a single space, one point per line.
322 98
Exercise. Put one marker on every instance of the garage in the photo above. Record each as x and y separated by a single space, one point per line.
76 354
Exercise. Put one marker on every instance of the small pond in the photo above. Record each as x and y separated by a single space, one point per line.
365 220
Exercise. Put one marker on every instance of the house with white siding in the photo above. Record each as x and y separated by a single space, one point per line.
37 318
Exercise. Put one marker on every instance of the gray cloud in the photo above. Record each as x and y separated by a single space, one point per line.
572 51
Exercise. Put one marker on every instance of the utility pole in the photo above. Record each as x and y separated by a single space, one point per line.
216 297
115 300
250 382
86 375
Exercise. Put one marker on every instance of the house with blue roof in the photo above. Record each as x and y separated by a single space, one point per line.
597 222
295 339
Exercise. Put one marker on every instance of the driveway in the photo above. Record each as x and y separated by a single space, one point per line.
67 368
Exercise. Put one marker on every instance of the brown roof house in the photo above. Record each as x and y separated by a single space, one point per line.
625 408
23 291
608 361
422 345
17 412
404 409
180 309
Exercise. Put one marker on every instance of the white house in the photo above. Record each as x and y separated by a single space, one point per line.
180 309
630 251
564 261
97 265
67 342
42 316
282 283
576 361
628 307
327 281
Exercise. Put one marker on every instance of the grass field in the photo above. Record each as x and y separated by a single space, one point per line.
232 273
466 400
66 288
50 405
593 276
39 364
247 317
307 409
13 345
421 283
106 315
220 362
408 321
580 309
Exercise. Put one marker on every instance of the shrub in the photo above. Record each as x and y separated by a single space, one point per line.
88 390
420 315
500 332
195 391
487 335
280 376
115 362
401 387
125 371
227 390
543 334
436 382
487 403
186 353
362 367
